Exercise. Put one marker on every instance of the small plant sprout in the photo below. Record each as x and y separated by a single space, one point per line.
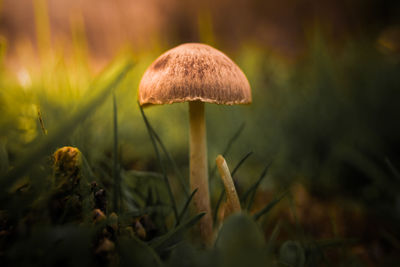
65 204
198 74
67 165
233 203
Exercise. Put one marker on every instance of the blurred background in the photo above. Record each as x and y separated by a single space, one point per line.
325 79
106 28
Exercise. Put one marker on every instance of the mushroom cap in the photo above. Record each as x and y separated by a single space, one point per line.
194 72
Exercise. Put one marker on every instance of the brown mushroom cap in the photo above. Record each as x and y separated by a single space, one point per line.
194 72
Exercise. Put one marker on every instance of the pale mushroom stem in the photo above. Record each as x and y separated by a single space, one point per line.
231 194
199 169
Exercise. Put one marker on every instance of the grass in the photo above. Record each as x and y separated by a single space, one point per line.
330 124
167 184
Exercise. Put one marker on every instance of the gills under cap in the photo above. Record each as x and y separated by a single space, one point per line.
194 72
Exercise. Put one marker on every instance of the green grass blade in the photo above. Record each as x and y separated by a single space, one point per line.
269 206
231 141
130 200
172 162
57 136
167 184
393 169
134 183
40 118
251 192
174 236
241 162
117 197
185 207
234 138
160 210
139 194
4 161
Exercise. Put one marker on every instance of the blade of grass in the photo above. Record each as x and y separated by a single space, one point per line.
172 162
174 236
57 136
4 161
241 162
39 114
234 138
222 194
231 141
392 168
185 207
139 193
167 184
162 210
117 197
143 180
252 190
131 202
269 206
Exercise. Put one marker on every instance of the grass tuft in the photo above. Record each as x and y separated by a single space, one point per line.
57 136
166 181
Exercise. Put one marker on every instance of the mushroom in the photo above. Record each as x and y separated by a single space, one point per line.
198 74
233 203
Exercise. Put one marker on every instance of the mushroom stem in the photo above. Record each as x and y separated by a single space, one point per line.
199 169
